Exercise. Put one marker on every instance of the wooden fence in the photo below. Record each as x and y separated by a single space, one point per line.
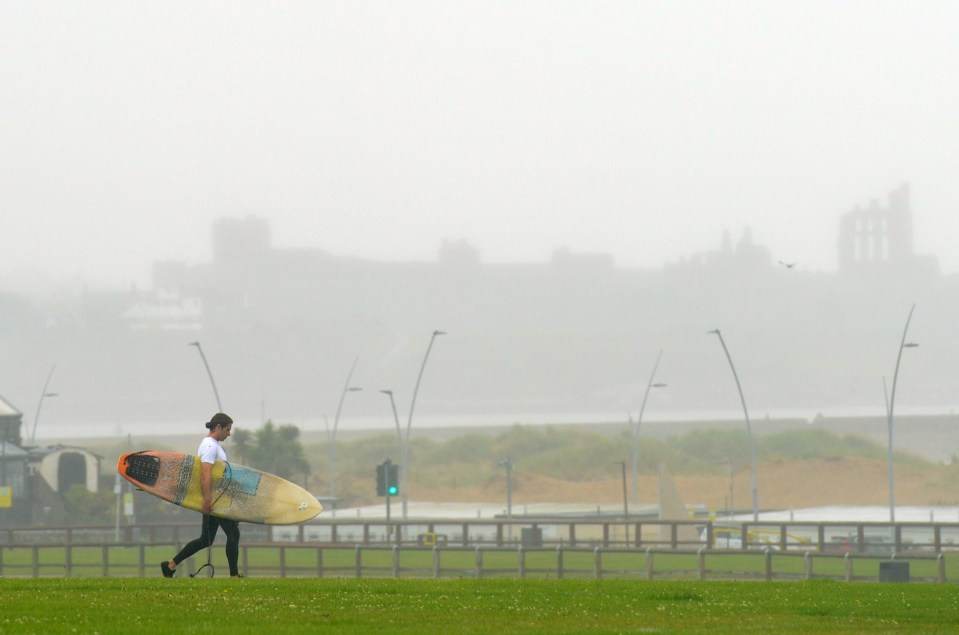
359 561
541 547
824 537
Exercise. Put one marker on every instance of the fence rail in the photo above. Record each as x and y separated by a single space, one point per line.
359 561
824 537
541 547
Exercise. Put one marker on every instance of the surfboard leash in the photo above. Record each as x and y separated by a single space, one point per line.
206 520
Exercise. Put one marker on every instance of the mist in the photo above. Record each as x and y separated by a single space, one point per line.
565 189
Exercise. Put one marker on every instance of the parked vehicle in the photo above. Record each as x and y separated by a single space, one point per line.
731 538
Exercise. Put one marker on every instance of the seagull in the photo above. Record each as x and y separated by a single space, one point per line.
787 265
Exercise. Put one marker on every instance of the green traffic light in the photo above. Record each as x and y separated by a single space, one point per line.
393 490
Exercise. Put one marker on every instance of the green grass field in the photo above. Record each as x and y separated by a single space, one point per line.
267 605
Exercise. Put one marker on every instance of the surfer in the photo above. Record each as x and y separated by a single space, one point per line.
210 450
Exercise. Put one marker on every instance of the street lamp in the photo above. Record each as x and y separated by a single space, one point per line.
622 464
634 428
890 406
508 464
44 394
405 466
396 417
754 485
331 436
219 406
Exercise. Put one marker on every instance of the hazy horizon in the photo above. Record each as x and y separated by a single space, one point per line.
639 130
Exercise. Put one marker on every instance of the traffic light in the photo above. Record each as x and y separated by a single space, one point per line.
387 479
392 479
381 479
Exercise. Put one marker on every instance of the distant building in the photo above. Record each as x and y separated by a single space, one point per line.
32 480
13 459
880 239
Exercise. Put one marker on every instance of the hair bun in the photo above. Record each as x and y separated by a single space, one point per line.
219 419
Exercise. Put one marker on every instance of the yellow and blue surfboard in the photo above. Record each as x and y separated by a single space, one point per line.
239 493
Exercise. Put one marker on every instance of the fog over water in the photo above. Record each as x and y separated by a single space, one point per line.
565 189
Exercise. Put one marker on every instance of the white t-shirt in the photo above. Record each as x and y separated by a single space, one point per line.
210 451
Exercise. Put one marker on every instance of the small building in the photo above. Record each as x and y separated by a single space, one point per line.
33 480
14 499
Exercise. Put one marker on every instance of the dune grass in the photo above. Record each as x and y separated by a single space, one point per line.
268 605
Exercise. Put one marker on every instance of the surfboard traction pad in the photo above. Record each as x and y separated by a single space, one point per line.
144 468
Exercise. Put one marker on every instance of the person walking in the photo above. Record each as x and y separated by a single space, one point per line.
211 450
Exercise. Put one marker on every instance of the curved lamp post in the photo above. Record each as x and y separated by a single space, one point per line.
753 484
890 406
622 465
508 464
634 428
43 395
404 466
331 436
219 406
396 417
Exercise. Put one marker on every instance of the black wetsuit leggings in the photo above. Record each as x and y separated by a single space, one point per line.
232 530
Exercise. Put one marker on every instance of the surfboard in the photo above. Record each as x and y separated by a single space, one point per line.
239 492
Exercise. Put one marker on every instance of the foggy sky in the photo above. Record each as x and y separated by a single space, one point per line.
378 129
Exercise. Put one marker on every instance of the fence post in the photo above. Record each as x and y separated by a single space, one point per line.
479 562
106 560
559 561
143 559
359 561
396 561
597 563
808 559
941 566
701 557
769 564
649 563
522 562
436 561
848 566
68 565
319 562
245 552
282 561
35 561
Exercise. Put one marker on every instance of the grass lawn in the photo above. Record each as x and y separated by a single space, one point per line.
268 605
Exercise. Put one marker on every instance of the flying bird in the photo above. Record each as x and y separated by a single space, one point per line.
787 265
